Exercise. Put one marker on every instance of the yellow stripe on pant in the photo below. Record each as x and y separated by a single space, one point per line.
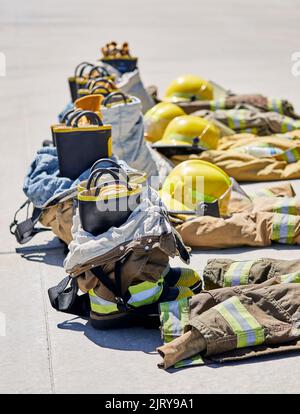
238 273
275 105
291 278
246 328
174 316
283 228
286 205
290 156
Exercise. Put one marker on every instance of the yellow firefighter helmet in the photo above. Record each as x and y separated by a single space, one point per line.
196 183
157 119
189 88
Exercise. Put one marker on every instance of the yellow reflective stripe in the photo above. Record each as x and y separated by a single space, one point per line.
100 305
286 206
238 273
275 105
194 360
288 124
242 119
141 294
188 277
246 328
231 123
234 122
236 119
184 292
283 228
252 130
291 155
217 104
145 293
291 277
174 317
213 105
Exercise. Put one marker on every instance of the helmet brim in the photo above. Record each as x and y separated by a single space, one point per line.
170 149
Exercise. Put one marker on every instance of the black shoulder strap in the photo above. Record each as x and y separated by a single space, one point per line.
66 299
25 230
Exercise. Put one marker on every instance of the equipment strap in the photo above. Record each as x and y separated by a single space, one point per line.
25 230
115 287
66 299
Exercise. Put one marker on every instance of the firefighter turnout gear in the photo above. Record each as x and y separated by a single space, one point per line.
231 324
266 220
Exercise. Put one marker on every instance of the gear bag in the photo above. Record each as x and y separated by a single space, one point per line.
78 147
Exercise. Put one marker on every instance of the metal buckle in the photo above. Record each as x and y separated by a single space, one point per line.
121 305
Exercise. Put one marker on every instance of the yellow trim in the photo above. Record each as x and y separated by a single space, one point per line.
65 128
55 126
85 92
103 59
81 81
109 147
100 197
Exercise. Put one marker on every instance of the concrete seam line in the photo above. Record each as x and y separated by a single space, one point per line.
49 347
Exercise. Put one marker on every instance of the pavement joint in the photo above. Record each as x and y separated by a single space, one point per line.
47 328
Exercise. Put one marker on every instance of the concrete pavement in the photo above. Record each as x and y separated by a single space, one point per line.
244 46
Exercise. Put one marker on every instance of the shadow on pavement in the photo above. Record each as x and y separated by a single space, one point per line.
244 249
48 253
129 339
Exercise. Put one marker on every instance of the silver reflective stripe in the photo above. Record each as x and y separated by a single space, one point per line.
247 329
174 317
283 228
238 273
99 301
290 155
145 294
286 206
